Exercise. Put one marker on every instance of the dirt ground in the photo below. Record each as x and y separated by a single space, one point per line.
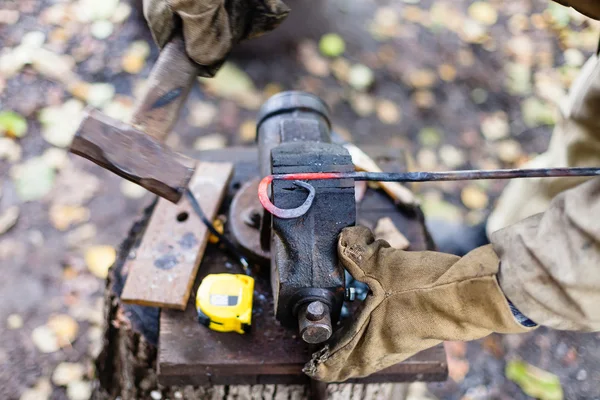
460 85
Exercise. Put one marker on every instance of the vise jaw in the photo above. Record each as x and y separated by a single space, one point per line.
294 135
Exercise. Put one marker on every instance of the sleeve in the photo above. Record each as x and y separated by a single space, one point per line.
550 262
590 8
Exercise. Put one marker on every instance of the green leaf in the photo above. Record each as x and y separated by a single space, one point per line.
12 124
33 179
560 15
332 45
535 382
537 113
430 137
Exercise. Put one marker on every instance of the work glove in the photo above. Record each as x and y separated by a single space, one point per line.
416 301
211 27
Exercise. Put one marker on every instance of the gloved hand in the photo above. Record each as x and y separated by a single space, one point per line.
417 300
211 27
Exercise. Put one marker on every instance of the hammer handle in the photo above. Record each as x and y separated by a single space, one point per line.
167 89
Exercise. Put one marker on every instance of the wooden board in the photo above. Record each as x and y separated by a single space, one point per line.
163 269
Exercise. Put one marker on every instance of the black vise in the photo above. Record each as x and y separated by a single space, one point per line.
294 135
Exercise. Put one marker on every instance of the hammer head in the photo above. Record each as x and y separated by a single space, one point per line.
133 155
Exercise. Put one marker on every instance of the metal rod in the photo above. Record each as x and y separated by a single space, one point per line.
405 177
445 175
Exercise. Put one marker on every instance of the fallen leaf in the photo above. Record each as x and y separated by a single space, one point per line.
119 108
472 32
427 159
79 390
14 321
67 372
360 77
44 339
33 179
41 391
430 136
100 94
518 23
451 156
483 12
210 142
202 114
99 259
63 217
230 82
135 57
10 150
121 13
102 29
8 218
92 10
495 126
522 48
509 151
332 45
447 72
12 124
388 112
247 131
479 95
271 89
474 198
424 99
58 67
362 104
55 158
558 15
422 78
466 58
132 190
95 336
388 231
434 207
64 327
537 113
534 382
386 23
518 78
341 69
59 123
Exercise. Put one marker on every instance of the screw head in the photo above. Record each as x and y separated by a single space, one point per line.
315 311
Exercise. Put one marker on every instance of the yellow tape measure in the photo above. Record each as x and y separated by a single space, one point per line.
224 302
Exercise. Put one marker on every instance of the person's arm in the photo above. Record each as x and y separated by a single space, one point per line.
591 8
550 263
211 28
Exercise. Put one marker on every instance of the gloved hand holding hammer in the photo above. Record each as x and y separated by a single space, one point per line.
543 270
212 27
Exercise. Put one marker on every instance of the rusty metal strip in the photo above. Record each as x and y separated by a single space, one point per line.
166 263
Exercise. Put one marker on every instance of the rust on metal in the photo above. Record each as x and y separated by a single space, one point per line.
166 263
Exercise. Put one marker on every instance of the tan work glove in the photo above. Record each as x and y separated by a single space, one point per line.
211 27
417 300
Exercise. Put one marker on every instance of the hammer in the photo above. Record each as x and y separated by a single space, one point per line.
135 151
